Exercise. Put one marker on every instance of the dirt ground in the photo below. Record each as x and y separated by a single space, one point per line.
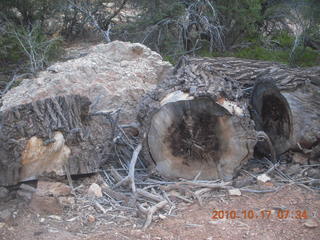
191 221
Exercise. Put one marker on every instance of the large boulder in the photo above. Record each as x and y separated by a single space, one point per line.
112 76
46 123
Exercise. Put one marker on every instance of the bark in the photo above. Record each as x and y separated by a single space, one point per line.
45 136
196 124
291 99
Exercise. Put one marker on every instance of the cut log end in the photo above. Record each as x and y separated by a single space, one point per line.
195 138
272 114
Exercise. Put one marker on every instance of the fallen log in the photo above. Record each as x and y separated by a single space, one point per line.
285 101
46 136
197 125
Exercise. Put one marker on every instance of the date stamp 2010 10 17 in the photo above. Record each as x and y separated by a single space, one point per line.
260 214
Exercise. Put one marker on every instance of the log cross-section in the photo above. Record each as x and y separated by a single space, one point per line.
197 125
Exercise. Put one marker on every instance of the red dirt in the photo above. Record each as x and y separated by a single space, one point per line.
191 221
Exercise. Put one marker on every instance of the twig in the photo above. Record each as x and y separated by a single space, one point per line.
152 211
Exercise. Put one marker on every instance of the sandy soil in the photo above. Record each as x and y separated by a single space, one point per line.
190 222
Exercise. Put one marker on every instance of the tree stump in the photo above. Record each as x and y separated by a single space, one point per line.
196 124
45 136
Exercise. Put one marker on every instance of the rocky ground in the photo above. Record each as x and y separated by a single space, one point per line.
261 205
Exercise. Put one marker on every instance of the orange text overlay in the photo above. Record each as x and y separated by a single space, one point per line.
259 214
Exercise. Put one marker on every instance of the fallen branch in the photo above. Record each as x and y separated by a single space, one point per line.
152 210
130 178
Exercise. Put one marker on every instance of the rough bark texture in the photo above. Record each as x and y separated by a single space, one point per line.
294 94
196 123
44 136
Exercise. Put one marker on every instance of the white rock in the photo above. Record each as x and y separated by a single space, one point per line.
234 192
263 178
112 76
95 190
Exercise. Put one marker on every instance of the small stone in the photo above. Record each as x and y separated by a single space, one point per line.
66 201
161 216
27 188
24 195
25 192
263 178
91 219
55 217
313 173
311 223
234 192
95 190
2 225
3 192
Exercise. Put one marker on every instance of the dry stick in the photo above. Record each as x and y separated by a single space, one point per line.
198 194
151 196
114 173
152 210
177 185
130 177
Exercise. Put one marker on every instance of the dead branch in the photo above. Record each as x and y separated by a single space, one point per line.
151 196
177 185
130 178
152 210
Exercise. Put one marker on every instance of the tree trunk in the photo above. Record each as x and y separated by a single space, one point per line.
285 101
196 124
46 136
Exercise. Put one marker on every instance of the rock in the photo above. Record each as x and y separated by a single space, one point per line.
91 219
311 223
110 76
313 173
95 190
3 192
5 215
55 217
234 192
27 188
299 158
263 178
25 192
55 189
45 205
161 216
66 201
